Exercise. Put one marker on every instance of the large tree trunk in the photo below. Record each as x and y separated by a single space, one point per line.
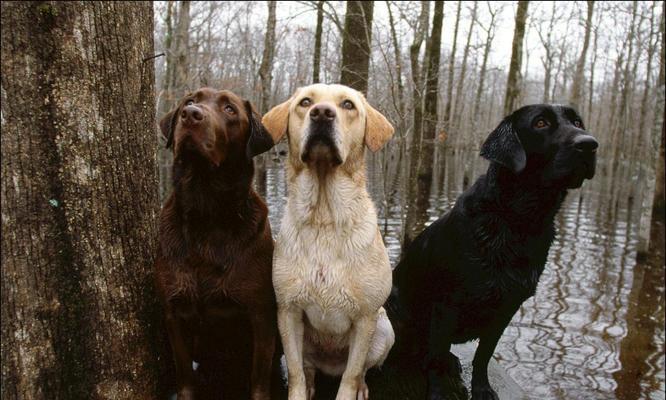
460 98
577 87
316 62
513 83
652 207
80 319
417 219
399 91
356 41
449 85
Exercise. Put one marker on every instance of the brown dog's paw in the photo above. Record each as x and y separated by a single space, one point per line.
186 393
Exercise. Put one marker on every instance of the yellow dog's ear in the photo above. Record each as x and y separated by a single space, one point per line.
276 120
378 130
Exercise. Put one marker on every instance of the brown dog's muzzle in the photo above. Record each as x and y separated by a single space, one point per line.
202 135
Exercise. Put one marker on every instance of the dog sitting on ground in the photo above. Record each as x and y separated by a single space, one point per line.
466 275
216 249
331 271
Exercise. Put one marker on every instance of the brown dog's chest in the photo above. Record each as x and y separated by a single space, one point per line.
201 290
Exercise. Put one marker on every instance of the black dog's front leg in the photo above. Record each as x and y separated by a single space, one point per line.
444 369
481 389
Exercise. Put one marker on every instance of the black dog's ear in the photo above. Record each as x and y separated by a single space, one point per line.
260 140
504 147
167 126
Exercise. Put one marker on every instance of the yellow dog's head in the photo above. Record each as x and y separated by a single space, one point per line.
327 126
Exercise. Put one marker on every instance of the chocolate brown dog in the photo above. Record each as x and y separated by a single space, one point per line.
216 250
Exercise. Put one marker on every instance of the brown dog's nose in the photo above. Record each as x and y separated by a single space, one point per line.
322 113
585 143
191 115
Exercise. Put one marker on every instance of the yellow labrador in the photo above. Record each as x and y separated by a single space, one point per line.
331 271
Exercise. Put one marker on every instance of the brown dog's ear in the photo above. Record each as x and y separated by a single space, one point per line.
260 140
378 130
276 120
167 126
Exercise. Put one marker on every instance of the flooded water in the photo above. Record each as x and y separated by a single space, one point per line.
595 328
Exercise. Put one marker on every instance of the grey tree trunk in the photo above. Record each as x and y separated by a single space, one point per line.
577 87
484 65
399 91
416 219
652 207
356 41
460 98
80 319
175 87
417 80
449 85
316 62
513 83
266 68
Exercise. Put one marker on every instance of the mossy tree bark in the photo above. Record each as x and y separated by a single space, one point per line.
80 319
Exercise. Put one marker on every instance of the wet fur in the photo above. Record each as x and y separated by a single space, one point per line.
466 274
214 264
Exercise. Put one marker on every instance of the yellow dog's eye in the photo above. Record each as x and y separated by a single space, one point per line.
306 102
348 105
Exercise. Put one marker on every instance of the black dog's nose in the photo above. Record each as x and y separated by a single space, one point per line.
585 143
191 114
322 113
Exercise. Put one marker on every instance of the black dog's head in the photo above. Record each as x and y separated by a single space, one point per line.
546 141
212 126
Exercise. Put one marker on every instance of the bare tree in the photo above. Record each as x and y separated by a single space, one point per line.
577 87
652 207
490 36
452 58
317 47
424 155
513 82
460 98
80 317
265 71
399 91
356 41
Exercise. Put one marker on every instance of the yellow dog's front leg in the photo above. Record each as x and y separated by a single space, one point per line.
352 385
290 323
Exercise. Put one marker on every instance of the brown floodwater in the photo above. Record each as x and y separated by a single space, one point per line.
595 328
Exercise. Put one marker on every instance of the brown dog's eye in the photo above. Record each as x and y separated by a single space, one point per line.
348 105
229 109
306 102
541 123
189 102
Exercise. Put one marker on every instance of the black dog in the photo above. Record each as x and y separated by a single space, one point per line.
466 275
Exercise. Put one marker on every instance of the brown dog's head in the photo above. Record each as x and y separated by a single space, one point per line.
327 125
215 126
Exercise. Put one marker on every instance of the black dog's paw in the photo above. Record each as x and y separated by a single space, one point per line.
483 392
446 386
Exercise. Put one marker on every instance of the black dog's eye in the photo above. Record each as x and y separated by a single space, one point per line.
229 109
306 102
578 124
348 105
541 123
189 102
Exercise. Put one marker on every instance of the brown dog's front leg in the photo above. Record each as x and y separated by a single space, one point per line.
264 331
181 345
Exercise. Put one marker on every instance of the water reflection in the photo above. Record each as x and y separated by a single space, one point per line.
595 328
